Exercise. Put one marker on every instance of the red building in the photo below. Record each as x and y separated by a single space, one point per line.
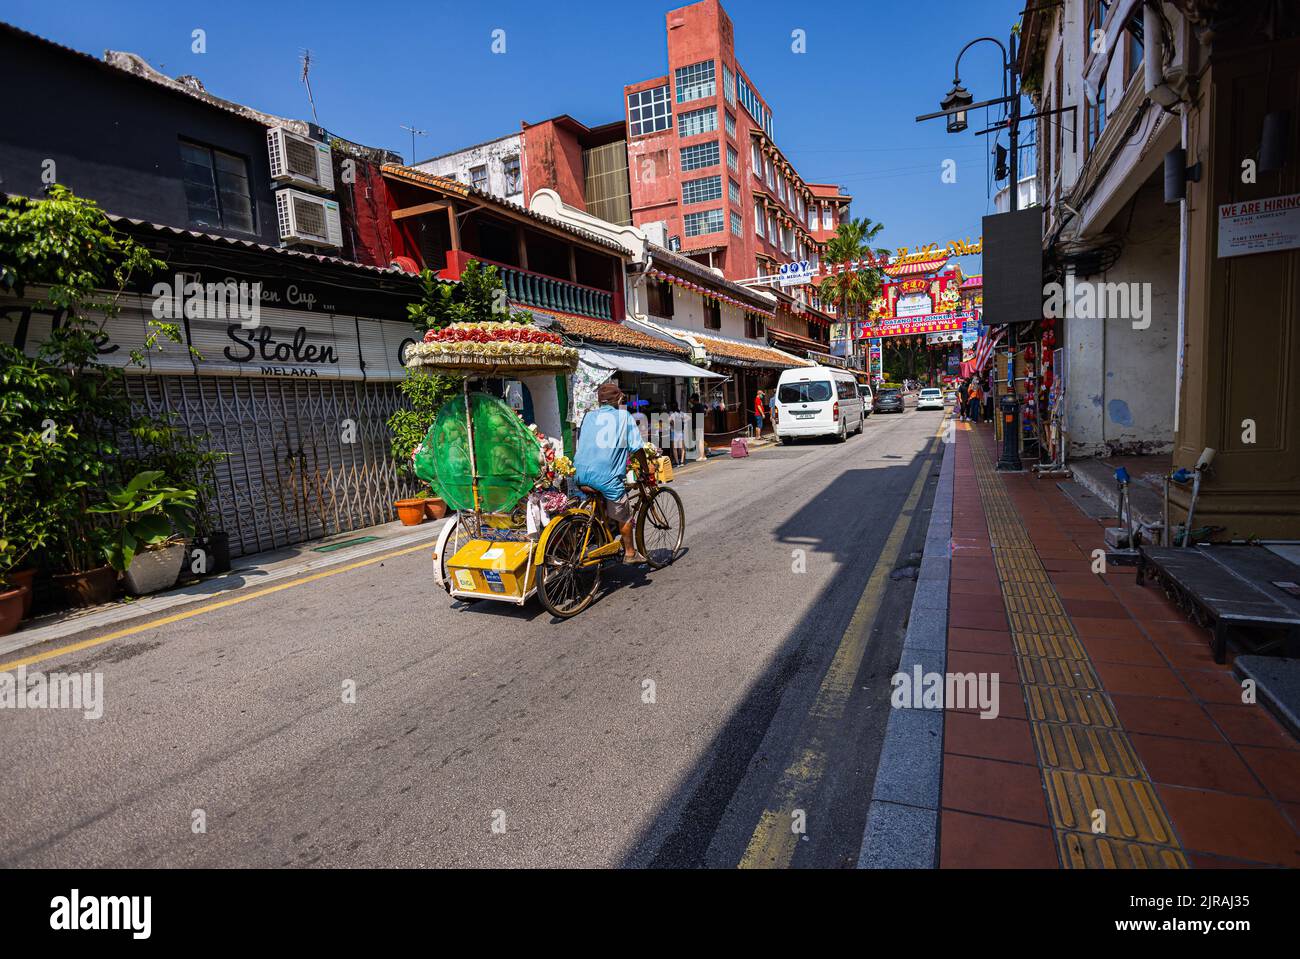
703 161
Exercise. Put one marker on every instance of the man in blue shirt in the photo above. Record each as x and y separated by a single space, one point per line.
608 436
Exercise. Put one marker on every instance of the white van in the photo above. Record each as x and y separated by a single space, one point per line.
816 401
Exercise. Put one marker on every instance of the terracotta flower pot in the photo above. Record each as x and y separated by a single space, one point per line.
435 508
25 577
410 511
11 608
91 588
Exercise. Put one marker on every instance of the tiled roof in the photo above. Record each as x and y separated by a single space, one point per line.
917 266
747 353
448 185
321 258
671 262
607 331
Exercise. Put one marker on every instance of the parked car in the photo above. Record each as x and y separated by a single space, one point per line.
816 401
930 398
889 399
868 401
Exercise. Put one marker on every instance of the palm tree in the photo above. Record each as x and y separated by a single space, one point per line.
852 290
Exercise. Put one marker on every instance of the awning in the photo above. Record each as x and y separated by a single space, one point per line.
643 363
787 340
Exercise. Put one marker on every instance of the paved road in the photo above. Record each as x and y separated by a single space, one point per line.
466 715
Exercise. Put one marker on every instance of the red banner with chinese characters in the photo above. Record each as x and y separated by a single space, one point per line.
912 325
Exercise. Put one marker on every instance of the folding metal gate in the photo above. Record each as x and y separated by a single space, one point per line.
308 458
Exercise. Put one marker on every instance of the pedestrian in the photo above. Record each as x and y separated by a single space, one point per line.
698 409
976 401
677 434
759 412
963 398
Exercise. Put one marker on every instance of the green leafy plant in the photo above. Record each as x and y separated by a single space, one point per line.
147 512
64 398
163 445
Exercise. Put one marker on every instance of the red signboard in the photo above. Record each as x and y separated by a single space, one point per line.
912 325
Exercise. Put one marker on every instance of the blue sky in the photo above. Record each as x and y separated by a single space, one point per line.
844 109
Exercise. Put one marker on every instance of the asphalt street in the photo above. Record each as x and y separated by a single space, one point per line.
485 735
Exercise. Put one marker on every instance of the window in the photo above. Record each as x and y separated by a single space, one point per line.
812 217
808 391
1096 20
478 177
756 155
758 218
737 224
771 173
828 217
773 236
649 111
730 121
749 100
712 314
733 158
513 182
729 91
699 155
706 221
697 121
216 188
733 191
1133 54
1096 114
695 82
800 207
659 298
702 190
753 326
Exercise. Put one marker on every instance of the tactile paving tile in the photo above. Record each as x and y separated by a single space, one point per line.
1070 673
1085 749
1091 772
1085 851
1132 811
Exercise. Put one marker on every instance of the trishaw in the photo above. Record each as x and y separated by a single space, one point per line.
521 527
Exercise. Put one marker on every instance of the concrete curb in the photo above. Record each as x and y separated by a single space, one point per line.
903 818
246 571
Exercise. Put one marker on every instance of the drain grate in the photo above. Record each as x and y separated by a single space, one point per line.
345 544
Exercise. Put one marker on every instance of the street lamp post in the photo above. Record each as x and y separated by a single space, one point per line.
955 107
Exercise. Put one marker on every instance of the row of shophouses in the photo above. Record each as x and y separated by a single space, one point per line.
1169 184
336 235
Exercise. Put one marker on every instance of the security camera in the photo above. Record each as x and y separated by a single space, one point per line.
1207 457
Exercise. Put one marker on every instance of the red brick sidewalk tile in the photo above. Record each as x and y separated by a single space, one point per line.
1201 765
1135 652
980 842
1234 826
1004 664
992 788
978 618
1104 628
1141 680
1250 726
967 734
1213 685
1165 717
980 640
1277 769
1095 609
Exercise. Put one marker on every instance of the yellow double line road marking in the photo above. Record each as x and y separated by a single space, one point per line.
774 841
208 608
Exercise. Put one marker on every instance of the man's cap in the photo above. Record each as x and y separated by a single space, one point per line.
609 392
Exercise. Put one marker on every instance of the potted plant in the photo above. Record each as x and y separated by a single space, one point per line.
434 506
12 595
410 511
65 247
151 518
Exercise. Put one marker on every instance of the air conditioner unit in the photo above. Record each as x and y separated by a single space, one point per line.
308 219
299 161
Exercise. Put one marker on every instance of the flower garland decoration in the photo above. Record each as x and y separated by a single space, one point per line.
706 291
490 343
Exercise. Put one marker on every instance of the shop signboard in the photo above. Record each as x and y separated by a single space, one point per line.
1259 226
796 274
911 326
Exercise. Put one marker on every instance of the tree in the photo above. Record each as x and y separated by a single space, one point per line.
852 290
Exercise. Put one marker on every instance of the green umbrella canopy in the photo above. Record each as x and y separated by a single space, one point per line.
507 453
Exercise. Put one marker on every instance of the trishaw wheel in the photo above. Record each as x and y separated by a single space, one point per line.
458 535
564 585
661 527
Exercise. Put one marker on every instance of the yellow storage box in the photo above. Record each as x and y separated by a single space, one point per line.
494 569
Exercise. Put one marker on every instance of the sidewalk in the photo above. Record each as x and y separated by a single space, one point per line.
1120 742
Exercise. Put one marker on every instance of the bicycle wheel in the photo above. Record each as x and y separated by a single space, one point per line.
661 527
456 535
564 585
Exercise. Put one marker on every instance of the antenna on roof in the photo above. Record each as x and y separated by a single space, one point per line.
414 133
305 57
